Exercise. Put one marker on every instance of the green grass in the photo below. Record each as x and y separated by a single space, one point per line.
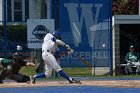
69 71
29 71
77 72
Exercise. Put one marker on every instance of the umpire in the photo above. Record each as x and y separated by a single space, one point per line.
12 67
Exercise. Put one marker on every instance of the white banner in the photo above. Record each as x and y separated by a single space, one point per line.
37 29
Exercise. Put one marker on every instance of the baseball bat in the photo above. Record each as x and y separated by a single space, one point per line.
88 64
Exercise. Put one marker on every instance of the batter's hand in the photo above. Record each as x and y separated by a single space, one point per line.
70 51
68 47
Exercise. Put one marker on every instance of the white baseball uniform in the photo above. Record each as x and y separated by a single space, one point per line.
49 46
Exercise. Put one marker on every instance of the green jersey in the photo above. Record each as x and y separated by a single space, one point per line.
16 66
133 57
6 61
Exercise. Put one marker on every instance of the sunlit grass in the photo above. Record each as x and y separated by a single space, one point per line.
76 72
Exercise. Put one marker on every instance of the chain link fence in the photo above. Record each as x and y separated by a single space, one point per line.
17 14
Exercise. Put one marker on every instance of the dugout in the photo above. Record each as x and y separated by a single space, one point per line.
126 32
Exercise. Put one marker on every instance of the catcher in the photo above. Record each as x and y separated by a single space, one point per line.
12 67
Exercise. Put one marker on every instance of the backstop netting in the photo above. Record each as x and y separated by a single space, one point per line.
85 25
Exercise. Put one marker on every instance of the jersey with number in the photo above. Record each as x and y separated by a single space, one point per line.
49 43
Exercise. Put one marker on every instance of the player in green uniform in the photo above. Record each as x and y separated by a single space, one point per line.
132 58
12 66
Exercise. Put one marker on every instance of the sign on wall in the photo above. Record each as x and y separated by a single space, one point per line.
86 25
36 30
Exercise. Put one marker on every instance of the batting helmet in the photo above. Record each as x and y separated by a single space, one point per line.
57 34
18 55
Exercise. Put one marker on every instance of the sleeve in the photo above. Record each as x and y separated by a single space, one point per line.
59 42
126 57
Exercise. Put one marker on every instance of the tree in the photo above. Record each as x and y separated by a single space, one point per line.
125 7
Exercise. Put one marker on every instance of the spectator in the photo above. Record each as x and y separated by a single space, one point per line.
132 58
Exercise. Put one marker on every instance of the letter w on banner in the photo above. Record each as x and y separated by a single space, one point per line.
86 25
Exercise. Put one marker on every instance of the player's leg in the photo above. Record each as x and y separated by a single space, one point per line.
137 64
25 79
3 75
47 73
19 77
5 72
58 60
128 67
54 64
71 80
51 63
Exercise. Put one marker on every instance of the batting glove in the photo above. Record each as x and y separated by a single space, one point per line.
70 51
68 47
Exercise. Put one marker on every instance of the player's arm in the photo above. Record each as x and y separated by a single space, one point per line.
30 64
59 42
127 58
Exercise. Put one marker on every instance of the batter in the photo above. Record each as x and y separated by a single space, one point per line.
49 47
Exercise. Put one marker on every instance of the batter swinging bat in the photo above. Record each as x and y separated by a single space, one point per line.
84 61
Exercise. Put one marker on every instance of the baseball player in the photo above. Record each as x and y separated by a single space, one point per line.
49 46
12 67
133 59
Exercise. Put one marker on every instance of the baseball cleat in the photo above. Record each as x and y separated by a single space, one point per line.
74 81
32 80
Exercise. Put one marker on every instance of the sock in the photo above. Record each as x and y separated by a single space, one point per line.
40 75
63 74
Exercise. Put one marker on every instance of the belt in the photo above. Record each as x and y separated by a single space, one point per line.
48 51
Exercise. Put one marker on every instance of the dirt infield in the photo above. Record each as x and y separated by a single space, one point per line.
106 83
